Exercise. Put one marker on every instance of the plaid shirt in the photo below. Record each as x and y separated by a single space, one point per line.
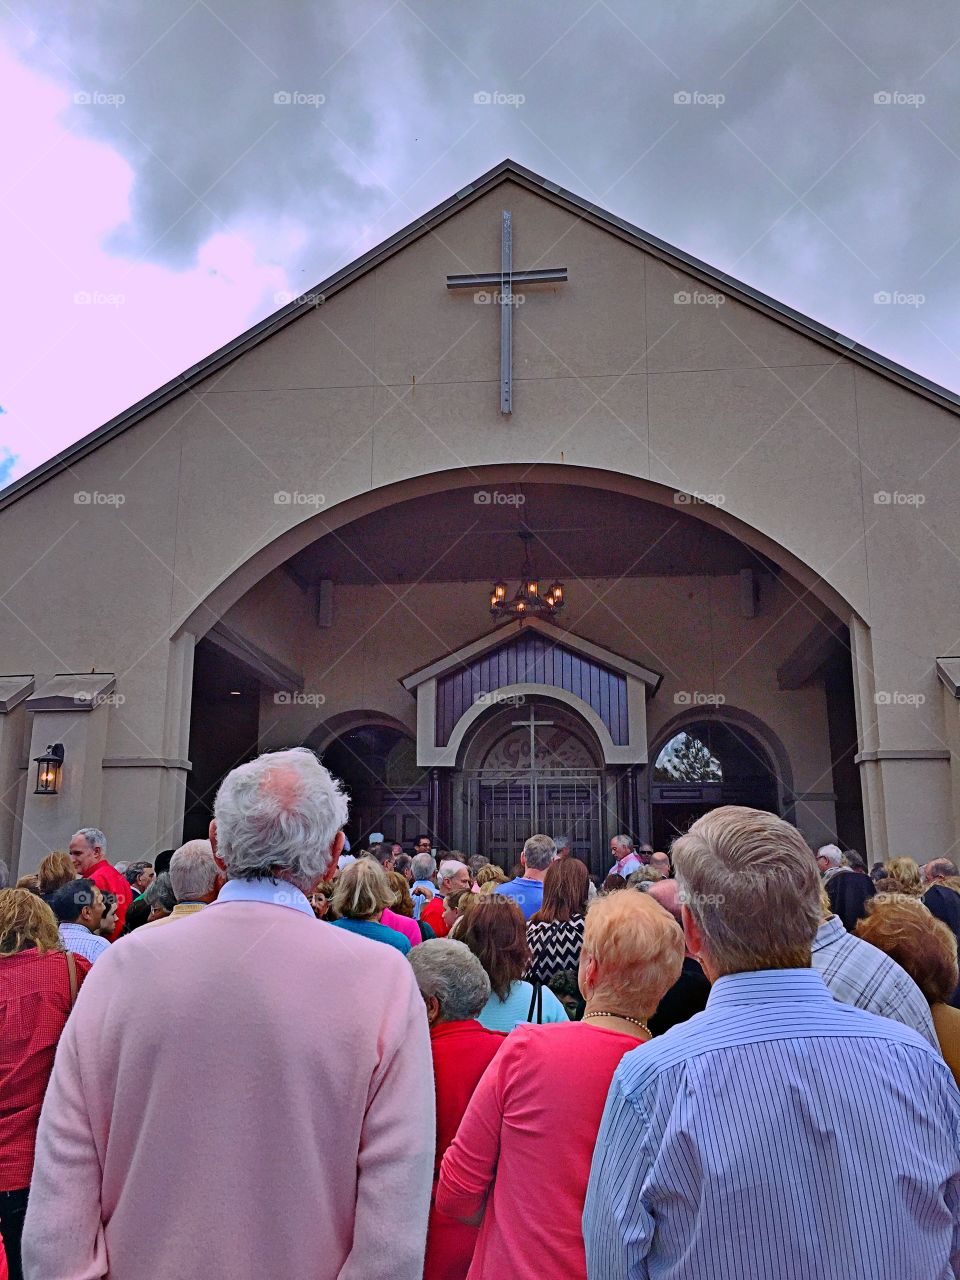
860 974
34 1003
78 939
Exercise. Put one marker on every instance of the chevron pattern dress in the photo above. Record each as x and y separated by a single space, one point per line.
554 947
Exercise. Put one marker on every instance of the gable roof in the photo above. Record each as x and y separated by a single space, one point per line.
510 632
506 170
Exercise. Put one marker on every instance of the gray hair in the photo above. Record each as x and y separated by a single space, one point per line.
193 872
423 866
563 842
940 867
751 884
160 894
538 852
449 868
94 836
830 853
277 817
623 842
450 971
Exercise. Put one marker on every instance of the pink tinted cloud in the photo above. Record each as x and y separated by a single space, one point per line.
90 333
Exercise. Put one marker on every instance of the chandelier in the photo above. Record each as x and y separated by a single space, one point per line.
527 601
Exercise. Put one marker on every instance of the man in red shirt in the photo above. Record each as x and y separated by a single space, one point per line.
452 878
87 849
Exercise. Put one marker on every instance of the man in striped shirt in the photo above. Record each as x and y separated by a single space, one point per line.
732 1146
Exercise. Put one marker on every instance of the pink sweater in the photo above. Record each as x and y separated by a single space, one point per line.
523 1150
247 1096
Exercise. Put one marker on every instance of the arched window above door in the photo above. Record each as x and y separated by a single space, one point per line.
686 759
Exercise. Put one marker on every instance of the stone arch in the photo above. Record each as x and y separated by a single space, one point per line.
739 718
206 612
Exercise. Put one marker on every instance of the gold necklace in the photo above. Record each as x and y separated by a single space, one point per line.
639 1022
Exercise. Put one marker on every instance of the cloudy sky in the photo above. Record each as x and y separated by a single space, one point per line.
176 167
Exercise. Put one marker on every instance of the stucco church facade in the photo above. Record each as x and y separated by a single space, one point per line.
755 521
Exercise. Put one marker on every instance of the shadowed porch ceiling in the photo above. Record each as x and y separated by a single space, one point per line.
579 532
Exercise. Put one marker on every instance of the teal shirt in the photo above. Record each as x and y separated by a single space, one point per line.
378 932
504 1015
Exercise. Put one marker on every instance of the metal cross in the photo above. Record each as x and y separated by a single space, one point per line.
504 280
532 723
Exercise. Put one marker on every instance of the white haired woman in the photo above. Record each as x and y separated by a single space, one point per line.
539 1105
360 897
455 988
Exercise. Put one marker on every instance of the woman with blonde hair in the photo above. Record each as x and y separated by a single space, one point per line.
360 897
490 874
38 985
539 1103
922 945
906 872
54 872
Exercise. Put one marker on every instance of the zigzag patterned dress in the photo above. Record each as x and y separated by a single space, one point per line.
554 947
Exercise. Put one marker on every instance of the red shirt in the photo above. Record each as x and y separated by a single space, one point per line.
432 913
462 1051
106 877
34 1004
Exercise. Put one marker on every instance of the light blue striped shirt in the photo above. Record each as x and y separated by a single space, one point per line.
778 1135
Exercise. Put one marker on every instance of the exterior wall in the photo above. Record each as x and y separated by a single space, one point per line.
393 382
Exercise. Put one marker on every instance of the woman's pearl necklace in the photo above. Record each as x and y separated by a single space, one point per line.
639 1022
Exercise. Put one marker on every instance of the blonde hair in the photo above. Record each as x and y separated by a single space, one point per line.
491 874
906 872
362 890
55 870
402 901
26 921
751 884
638 948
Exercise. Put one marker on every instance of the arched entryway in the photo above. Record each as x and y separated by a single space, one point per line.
704 764
531 765
388 791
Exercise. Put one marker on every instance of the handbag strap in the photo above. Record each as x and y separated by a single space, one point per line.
72 974
536 999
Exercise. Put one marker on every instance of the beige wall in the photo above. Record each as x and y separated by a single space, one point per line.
394 380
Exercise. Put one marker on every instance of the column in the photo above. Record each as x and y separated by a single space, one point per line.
73 710
14 691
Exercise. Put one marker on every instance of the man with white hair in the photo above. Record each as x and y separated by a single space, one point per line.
195 879
453 877
729 1146
527 890
288 1128
625 860
829 861
88 853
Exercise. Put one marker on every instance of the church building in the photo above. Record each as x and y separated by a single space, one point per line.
524 521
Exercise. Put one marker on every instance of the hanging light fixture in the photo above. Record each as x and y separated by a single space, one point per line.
527 602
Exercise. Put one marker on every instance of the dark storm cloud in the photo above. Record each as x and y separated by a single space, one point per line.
783 168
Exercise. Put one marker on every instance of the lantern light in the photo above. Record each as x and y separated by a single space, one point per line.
49 768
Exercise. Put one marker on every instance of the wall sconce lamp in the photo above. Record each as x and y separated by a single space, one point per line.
49 767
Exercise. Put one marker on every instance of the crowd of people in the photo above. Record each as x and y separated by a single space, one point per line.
262 1055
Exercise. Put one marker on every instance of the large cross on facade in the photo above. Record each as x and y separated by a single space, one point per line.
502 282
533 724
